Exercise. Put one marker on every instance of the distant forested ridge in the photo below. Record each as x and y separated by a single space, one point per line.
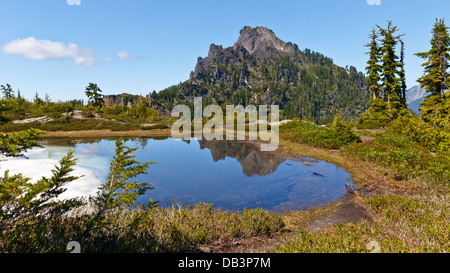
262 69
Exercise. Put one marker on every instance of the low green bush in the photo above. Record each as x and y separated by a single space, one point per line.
436 139
338 134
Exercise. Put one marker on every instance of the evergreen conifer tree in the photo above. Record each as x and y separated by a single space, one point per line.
373 67
93 94
436 78
7 91
390 69
386 75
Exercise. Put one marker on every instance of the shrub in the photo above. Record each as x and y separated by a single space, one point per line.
337 135
436 139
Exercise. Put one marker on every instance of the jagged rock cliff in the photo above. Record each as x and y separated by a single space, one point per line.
262 42
257 43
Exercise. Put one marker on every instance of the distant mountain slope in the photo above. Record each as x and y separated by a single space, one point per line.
262 69
414 96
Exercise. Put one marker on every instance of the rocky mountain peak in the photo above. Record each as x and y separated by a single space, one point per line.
213 50
261 41
257 43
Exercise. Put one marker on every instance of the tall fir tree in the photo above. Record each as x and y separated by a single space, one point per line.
377 110
373 67
436 78
386 75
390 69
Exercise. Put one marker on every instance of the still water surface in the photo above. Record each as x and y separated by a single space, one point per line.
229 174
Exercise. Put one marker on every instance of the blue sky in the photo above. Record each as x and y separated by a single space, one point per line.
138 46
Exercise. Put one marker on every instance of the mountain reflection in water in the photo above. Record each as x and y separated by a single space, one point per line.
253 161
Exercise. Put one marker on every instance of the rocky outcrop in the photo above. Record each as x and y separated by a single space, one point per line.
262 42
253 44
111 100
129 100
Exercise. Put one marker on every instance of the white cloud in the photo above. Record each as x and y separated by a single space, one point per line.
124 56
374 2
34 49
